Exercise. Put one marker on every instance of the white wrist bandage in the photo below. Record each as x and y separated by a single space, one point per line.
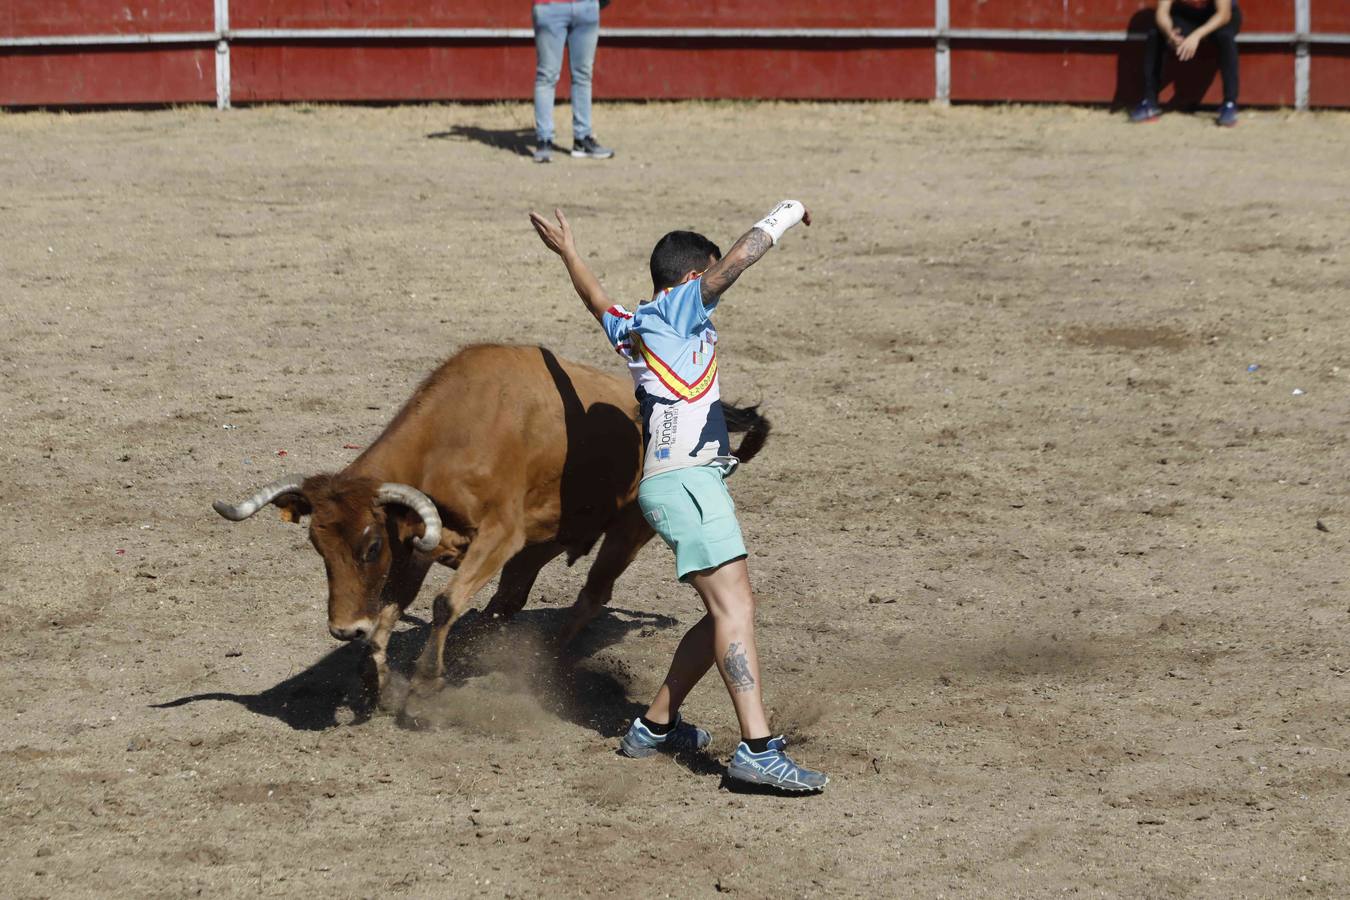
781 218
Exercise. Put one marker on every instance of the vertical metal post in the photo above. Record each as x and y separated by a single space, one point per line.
942 58
1302 57
222 8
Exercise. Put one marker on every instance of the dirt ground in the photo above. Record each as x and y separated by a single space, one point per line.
1050 538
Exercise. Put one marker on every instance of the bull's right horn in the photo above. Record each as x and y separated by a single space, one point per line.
263 496
420 503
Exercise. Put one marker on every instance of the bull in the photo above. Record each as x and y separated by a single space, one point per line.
504 458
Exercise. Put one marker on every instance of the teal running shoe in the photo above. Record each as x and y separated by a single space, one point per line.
640 741
774 768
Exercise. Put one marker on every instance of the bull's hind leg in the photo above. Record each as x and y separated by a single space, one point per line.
629 533
491 548
518 579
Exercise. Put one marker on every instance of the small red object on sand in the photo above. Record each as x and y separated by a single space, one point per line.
121 553
351 446
281 453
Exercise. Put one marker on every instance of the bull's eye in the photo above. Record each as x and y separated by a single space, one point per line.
373 551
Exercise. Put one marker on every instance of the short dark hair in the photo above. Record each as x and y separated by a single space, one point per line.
679 253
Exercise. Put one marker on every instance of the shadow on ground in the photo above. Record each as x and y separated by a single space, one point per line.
519 141
571 684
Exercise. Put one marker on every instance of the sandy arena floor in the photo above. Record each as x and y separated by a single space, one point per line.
1041 574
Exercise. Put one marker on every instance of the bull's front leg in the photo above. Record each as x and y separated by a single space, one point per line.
375 666
400 591
489 551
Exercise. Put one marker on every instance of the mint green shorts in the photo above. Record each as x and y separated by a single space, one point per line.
692 511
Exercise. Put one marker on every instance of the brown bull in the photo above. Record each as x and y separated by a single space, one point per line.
503 458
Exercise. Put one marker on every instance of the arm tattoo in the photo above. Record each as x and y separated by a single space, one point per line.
738 669
743 254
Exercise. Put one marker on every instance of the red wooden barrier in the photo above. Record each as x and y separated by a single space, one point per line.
1101 15
1330 78
624 70
83 76
52 17
1082 73
267 67
622 14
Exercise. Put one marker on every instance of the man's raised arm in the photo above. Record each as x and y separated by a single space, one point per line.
558 238
750 247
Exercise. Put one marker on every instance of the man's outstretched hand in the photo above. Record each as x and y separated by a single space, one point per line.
557 238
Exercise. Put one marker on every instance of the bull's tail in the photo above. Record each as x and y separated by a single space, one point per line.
752 424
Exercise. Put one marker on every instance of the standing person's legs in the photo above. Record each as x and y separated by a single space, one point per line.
582 39
1225 41
694 514
550 34
693 658
726 636
731 605
1154 45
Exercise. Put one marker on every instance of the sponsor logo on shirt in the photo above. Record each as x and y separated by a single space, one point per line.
665 430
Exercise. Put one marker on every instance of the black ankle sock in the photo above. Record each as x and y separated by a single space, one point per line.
656 728
757 745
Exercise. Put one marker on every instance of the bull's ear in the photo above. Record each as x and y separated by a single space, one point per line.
292 507
406 524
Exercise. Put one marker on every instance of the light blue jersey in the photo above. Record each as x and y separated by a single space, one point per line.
671 349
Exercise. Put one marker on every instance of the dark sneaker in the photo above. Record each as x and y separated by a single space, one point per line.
774 768
1146 111
640 741
544 152
589 148
1228 115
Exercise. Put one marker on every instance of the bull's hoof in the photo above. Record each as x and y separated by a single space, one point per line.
417 711
425 685
411 721
394 694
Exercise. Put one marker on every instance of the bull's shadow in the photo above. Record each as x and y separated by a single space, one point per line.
604 453
578 690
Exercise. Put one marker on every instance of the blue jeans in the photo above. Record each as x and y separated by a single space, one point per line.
578 26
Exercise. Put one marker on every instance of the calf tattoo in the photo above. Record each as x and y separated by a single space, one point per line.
738 669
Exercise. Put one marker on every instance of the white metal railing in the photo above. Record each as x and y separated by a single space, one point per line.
942 34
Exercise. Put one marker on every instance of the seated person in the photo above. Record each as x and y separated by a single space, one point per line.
1183 24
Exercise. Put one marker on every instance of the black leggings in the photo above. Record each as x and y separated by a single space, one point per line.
1186 19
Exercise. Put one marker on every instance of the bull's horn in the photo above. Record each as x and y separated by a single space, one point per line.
419 503
264 496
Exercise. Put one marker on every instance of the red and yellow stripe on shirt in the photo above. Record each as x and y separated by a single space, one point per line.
678 386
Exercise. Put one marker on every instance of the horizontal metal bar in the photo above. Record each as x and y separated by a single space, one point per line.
343 34
100 40
770 33
379 34
1018 34
479 34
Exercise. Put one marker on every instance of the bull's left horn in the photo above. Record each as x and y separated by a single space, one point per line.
263 496
419 503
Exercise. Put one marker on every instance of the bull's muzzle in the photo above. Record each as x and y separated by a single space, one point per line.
359 630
